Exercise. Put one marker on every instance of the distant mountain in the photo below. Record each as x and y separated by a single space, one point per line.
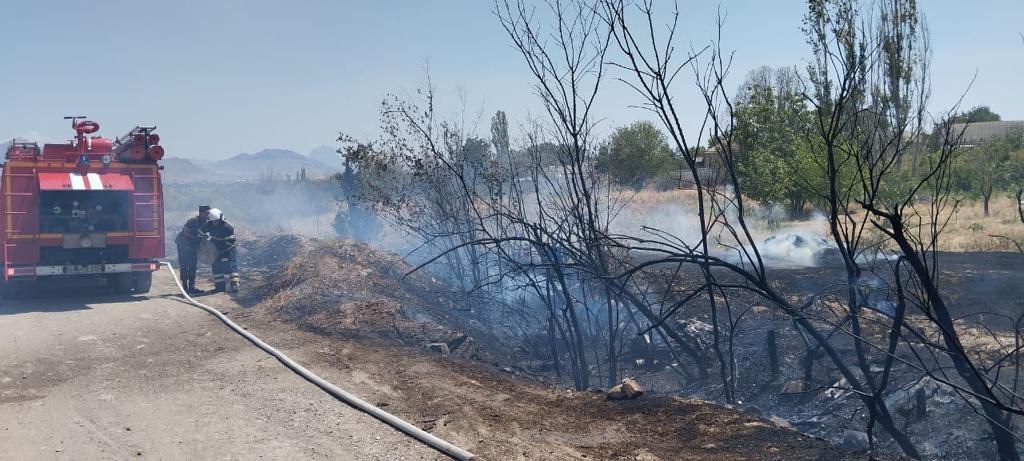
277 163
270 154
328 156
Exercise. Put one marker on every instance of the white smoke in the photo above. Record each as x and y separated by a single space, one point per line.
797 244
792 245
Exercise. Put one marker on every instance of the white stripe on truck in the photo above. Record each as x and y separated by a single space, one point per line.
77 182
95 183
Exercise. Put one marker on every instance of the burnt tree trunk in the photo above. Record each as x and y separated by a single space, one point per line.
998 420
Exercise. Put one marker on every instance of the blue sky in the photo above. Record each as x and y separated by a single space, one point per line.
229 76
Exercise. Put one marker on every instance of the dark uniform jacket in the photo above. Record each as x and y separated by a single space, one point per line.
191 233
225 265
223 237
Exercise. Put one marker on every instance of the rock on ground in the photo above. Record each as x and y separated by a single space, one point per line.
627 389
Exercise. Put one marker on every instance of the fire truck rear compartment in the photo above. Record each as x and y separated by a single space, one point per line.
84 212
85 218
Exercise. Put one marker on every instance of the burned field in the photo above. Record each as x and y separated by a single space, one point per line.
782 373
983 286
430 341
435 362
428 338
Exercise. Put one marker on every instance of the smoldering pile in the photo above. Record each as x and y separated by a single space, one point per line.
346 287
793 249
796 244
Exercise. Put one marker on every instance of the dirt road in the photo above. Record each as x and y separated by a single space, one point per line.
98 376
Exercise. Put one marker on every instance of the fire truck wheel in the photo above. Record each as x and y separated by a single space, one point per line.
123 283
143 281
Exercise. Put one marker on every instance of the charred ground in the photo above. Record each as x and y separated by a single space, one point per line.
369 317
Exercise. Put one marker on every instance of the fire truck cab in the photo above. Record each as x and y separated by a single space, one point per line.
90 207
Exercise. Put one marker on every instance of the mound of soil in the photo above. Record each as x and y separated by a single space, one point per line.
270 254
345 286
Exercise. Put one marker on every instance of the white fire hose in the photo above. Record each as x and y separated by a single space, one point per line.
339 393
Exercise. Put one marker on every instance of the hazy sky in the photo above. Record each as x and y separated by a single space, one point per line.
228 76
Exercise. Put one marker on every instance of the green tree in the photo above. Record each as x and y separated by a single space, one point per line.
499 136
635 154
977 114
355 217
543 154
986 169
776 162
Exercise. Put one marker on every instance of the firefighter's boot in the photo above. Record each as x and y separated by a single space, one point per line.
233 283
188 278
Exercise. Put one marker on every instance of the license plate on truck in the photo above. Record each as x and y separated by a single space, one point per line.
73 269
83 269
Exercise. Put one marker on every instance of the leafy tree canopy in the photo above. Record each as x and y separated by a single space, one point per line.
635 154
776 164
977 114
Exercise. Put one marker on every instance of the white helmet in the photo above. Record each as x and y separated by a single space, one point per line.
215 214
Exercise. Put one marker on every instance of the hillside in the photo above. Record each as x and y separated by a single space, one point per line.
272 163
268 163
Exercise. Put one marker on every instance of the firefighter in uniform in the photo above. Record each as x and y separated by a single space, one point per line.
225 265
188 241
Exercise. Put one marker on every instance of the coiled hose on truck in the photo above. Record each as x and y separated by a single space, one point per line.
338 393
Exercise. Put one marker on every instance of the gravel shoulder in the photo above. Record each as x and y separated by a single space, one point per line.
96 376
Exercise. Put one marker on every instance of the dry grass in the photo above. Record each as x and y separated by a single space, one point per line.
968 230
647 198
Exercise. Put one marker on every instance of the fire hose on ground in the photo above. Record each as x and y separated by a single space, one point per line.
335 391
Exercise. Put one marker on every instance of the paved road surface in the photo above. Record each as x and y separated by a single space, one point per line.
97 376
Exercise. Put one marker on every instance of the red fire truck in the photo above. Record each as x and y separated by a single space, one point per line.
90 207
